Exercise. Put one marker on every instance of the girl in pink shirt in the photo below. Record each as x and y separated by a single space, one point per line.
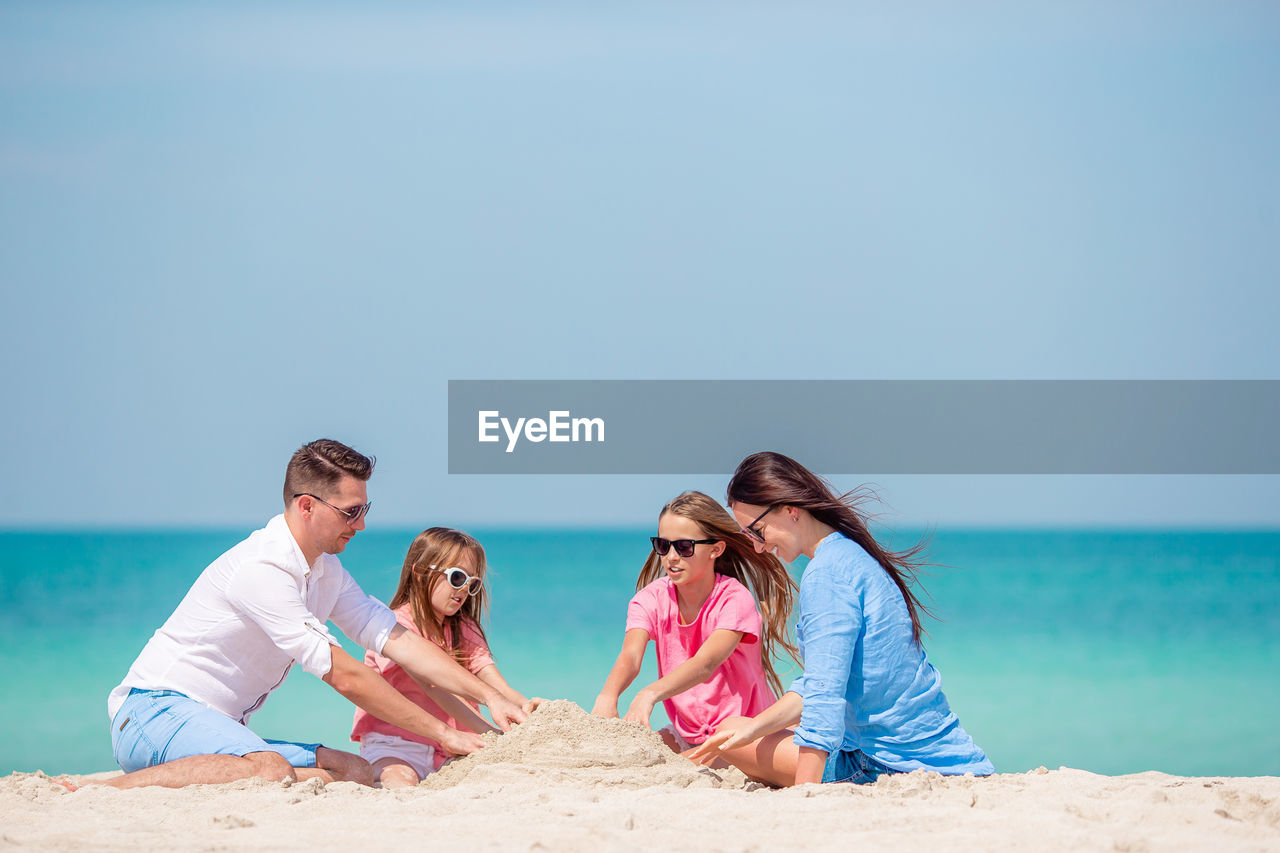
441 597
699 598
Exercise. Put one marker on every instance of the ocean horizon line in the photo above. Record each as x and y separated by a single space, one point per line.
524 527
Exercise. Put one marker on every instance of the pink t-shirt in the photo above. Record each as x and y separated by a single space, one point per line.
477 657
738 687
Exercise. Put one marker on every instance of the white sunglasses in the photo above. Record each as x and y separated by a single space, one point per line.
458 578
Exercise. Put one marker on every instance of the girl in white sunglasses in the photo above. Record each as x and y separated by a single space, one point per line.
441 596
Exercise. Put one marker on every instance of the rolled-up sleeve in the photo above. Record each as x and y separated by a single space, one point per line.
829 624
269 596
362 617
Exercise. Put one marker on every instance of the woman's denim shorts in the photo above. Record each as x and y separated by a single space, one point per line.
853 765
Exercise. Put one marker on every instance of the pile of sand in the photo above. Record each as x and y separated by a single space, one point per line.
561 742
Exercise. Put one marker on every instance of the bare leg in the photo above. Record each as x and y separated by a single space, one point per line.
392 773
207 770
334 765
771 759
669 739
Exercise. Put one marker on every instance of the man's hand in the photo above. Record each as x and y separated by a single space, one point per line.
532 705
505 713
461 743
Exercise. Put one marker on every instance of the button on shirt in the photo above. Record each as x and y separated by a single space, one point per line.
252 614
867 685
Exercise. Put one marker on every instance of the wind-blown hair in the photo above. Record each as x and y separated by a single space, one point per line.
441 547
763 574
771 479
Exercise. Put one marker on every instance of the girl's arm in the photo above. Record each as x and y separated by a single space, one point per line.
492 677
695 670
427 662
624 671
365 687
458 709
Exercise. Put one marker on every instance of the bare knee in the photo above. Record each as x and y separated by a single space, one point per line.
271 766
344 766
397 776
669 739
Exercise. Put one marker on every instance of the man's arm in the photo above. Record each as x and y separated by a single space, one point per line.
366 688
428 663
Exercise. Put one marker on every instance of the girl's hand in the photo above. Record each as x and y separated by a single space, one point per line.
606 706
724 738
461 743
533 703
641 709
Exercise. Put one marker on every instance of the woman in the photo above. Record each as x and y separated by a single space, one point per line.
869 702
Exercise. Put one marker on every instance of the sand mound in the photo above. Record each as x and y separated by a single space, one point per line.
562 742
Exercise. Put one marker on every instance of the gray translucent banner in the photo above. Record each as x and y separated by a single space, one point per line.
865 426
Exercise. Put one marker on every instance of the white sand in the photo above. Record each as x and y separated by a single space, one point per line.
568 781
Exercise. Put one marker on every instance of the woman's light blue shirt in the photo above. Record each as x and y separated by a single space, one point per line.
867 685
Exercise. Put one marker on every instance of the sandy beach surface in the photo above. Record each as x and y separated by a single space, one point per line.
568 781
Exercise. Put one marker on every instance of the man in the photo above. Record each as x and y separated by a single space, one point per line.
179 716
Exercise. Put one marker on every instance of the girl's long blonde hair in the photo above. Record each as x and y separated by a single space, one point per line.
441 547
763 574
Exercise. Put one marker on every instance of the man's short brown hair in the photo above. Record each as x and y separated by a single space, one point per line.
319 465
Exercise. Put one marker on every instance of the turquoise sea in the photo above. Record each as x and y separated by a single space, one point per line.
1109 650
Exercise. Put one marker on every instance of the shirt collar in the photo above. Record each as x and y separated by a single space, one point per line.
313 572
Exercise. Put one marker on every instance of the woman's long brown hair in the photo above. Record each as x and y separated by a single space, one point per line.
763 574
771 479
441 547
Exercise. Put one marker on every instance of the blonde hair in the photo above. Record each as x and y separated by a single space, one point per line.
763 574
441 547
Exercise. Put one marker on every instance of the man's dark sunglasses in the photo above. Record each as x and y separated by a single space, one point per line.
684 547
353 515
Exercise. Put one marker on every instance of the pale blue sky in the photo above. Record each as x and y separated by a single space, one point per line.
226 230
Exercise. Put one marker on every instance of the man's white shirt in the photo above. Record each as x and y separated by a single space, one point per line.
252 614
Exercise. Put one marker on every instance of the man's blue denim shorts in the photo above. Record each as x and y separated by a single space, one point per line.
157 726
853 765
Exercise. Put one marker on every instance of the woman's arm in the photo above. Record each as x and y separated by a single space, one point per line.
624 671
695 670
783 714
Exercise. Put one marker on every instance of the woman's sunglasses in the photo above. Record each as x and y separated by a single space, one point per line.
755 535
684 547
458 578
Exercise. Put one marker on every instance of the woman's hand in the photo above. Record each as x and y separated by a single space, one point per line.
725 737
606 706
529 706
461 743
641 709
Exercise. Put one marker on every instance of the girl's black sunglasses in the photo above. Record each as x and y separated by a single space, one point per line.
684 547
